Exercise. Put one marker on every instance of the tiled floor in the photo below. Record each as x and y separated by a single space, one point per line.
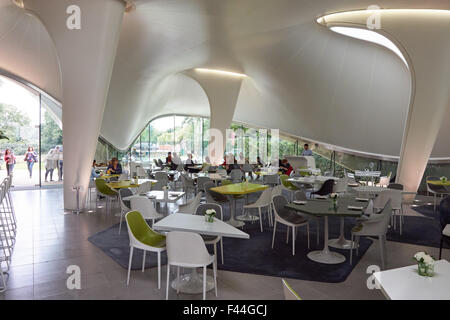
48 241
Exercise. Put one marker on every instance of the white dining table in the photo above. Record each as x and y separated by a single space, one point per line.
406 283
192 283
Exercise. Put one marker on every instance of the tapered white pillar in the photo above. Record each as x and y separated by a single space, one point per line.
222 90
85 34
422 36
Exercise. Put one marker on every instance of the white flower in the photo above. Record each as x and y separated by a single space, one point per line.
419 255
333 195
210 212
428 260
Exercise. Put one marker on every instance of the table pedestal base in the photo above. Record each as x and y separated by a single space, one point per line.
341 243
193 283
247 217
235 223
327 257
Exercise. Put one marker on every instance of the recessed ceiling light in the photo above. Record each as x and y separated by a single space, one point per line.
223 72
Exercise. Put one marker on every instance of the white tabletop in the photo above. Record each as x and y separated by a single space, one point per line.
212 176
372 189
406 284
197 223
158 196
312 179
446 231
365 173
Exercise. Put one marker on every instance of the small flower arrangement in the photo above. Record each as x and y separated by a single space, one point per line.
334 203
209 215
443 179
425 264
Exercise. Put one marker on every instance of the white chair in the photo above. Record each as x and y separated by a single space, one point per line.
236 175
201 209
123 176
301 196
187 249
125 205
271 179
375 225
158 186
341 185
289 293
248 169
141 172
145 206
221 172
201 181
144 188
188 184
161 175
144 238
396 197
263 201
288 218
191 206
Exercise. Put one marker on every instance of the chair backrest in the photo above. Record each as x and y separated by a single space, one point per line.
397 186
139 231
141 172
271 179
387 212
145 206
125 204
212 196
102 188
201 209
201 181
180 167
191 206
341 185
160 163
394 195
299 195
222 172
144 187
284 182
384 181
186 249
444 212
432 187
277 190
161 175
265 198
369 209
289 293
326 188
236 175
186 181
158 186
279 203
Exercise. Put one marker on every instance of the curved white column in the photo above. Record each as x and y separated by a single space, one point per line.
422 36
222 91
86 57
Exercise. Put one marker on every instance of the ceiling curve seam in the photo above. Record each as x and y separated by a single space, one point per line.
222 72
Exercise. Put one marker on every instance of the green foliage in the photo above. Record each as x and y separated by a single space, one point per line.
12 123
51 134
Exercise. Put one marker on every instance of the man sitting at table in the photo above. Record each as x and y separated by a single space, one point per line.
114 167
94 173
306 151
285 167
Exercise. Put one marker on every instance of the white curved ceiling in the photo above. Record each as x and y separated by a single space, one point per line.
303 78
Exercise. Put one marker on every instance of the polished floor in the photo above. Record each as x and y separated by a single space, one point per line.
49 240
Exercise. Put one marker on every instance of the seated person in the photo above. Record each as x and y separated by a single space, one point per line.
94 173
306 151
169 158
259 162
285 167
114 167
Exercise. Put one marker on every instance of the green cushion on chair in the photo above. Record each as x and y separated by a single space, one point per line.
143 232
103 188
287 184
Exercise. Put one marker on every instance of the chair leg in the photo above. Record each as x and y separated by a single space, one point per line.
440 247
159 270
274 230
215 276
260 219
293 241
168 279
307 231
178 280
351 249
120 224
143 261
129 265
287 234
215 251
357 245
221 249
204 282
381 251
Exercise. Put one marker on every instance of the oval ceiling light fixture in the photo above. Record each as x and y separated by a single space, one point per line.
222 72
19 3
370 36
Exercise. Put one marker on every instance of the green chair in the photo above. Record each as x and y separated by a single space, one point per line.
287 185
289 293
104 190
144 238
